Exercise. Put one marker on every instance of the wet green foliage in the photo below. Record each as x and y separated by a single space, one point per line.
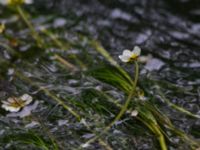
111 75
29 138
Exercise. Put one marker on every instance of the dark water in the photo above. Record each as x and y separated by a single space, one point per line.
168 30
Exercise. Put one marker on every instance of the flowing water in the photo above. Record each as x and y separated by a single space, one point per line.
167 30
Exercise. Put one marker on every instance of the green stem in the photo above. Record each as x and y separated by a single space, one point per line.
62 46
27 22
48 93
99 48
74 113
65 46
160 137
40 41
54 141
8 48
123 109
156 130
181 109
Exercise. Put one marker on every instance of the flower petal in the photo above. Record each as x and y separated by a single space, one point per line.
28 1
134 113
28 101
10 108
5 102
26 98
145 59
127 52
137 50
3 2
124 58
10 100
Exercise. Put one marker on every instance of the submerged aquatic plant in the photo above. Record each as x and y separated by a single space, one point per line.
14 104
157 122
30 138
130 56
142 110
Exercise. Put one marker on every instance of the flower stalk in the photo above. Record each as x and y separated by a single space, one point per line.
123 109
30 26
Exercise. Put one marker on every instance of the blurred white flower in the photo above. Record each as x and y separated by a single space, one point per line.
11 71
15 2
134 113
129 56
2 28
145 59
3 2
28 1
142 98
85 145
14 104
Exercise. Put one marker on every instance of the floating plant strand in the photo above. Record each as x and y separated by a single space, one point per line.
123 109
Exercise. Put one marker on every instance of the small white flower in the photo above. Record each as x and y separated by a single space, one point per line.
3 2
128 56
11 71
85 145
142 98
28 1
145 59
26 98
15 2
134 113
2 28
14 104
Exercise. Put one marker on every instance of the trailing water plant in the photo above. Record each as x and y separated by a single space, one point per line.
148 114
146 117
135 105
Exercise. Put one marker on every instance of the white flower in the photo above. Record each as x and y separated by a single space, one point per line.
134 113
142 98
85 145
2 27
14 104
28 1
26 98
128 56
3 2
145 59
15 2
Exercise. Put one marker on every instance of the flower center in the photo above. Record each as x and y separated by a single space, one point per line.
133 57
17 103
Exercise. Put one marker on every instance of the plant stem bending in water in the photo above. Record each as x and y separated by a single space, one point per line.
67 107
33 32
123 109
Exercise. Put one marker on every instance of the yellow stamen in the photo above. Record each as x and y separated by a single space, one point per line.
133 58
